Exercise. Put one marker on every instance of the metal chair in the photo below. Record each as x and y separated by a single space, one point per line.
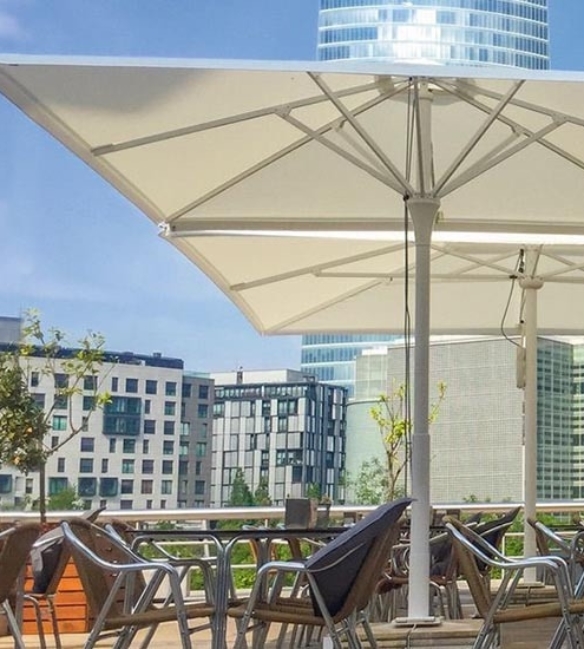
341 579
16 543
501 608
120 587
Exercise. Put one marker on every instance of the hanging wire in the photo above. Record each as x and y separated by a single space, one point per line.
518 272
407 327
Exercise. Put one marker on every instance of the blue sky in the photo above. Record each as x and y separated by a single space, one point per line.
79 252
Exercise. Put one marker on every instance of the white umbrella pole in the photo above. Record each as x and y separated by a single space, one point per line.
530 285
423 213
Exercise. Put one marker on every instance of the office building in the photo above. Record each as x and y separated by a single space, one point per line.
477 437
146 449
508 33
280 427
331 357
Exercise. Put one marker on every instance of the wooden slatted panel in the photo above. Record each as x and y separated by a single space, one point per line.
70 603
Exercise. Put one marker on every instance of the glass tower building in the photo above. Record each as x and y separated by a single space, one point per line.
510 33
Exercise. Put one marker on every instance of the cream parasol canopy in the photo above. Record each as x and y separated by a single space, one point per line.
294 187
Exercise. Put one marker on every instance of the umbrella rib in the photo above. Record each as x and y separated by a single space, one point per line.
362 132
474 262
521 103
478 169
225 121
518 128
570 266
475 139
335 148
310 137
323 306
315 269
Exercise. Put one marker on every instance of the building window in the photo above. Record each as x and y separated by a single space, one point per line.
132 385
148 504
90 383
5 483
170 389
61 381
39 399
149 426
114 383
198 465
146 446
108 487
166 487
126 504
129 446
147 406
203 392
169 427
201 449
183 467
170 408
87 445
168 448
186 390
85 465
167 466
112 445
61 402
89 403
104 465
202 411
57 485
127 487
61 465
146 486
151 386
86 487
54 441
163 504
59 422
34 379
147 466
127 466
199 487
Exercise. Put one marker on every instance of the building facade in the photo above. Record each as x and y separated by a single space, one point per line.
279 427
331 357
477 438
508 33
146 449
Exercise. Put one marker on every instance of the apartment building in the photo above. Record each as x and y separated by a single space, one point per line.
135 453
281 426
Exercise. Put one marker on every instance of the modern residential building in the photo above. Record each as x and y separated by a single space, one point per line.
280 426
145 450
477 438
509 33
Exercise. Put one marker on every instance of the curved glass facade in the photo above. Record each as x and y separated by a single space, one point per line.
331 357
510 33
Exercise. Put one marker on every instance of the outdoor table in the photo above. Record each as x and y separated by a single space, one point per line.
224 542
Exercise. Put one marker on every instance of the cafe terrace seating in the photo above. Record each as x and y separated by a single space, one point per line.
500 608
341 579
16 543
121 586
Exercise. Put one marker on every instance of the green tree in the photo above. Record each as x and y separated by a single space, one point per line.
261 496
241 495
24 423
391 416
65 500
371 485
